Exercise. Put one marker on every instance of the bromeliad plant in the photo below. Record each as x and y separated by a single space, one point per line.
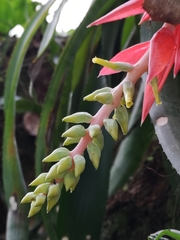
156 57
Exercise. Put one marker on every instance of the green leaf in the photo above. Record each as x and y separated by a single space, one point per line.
48 34
18 12
14 184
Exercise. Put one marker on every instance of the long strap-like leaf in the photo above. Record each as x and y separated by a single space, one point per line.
13 180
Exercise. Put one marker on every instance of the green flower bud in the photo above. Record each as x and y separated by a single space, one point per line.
40 179
128 90
74 185
42 188
64 164
70 180
79 165
53 173
51 202
29 197
40 200
94 153
117 66
57 154
76 131
80 117
104 98
94 130
70 140
33 209
154 85
91 97
111 127
99 140
54 190
121 115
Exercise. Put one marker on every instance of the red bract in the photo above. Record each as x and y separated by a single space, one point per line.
127 9
164 50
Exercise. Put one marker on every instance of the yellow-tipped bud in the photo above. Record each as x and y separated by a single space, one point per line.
94 130
99 140
154 85
76 131
69 141
40 179
91 97
51 202
117 66
128 90
42 188
57 154
54 190
69 180
29 197
104 98
122 101
111 127
121 115
64 164
79 165
94 153
80 117
33 209
40 200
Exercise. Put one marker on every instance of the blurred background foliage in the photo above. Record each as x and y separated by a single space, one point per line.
44 77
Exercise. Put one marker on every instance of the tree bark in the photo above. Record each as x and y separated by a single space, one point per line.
163 10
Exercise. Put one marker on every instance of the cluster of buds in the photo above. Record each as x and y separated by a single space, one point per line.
68 165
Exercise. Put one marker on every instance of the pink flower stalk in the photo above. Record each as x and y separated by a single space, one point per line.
163 50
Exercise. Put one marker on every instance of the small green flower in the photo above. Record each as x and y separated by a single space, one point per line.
94 153
111 127
99 140
70 140
80 117
79 165
94 130
33 209
29 197
117 66
128 90
42 188
40 179
57 154
54 190
40 200
70 180
91 96
121 115
76 131
104 98
64 164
